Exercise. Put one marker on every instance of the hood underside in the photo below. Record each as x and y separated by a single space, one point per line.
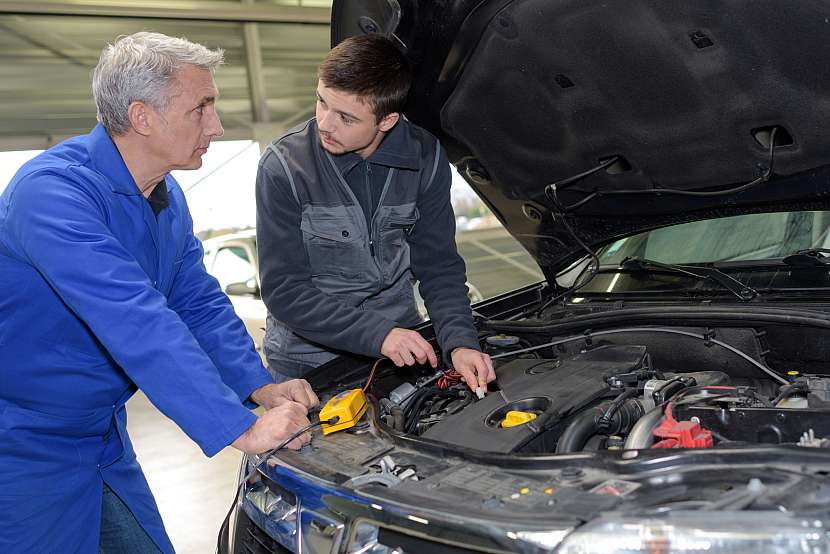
675 96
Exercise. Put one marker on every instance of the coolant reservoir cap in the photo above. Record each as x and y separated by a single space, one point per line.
502 341
515 418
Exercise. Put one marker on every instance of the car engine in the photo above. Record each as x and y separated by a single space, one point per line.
604 391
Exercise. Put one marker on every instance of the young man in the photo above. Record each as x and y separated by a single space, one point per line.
105 292
353 206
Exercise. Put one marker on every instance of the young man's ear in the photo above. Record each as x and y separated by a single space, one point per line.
388 121
139 117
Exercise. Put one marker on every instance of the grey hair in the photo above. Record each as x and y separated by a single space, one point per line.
143 67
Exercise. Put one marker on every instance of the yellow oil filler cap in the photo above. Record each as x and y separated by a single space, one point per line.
514 418
347 407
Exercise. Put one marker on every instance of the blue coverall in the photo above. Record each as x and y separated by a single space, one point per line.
101 297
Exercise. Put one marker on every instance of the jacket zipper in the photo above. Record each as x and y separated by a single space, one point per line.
368 183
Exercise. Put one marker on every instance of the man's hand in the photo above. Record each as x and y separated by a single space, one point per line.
476 367
404 347
296 390
273 427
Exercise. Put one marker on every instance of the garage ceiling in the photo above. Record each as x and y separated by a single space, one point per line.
48 50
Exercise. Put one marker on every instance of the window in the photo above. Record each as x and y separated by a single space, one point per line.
738 238
233 265
496 262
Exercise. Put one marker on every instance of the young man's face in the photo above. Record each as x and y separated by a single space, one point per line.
185 129
348 124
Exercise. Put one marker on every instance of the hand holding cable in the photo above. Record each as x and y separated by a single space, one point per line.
273 427
476 368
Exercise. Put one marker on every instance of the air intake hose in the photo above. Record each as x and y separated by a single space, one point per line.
600 419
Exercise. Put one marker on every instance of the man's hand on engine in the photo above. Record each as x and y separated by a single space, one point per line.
405 347
295 390
476 367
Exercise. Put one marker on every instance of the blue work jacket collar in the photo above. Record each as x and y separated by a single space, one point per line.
397 149
106 159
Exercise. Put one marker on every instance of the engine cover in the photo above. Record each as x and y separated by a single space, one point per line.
550 388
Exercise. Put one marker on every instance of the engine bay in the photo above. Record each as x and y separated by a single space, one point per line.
617 389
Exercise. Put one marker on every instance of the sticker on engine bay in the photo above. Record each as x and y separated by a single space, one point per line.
615 487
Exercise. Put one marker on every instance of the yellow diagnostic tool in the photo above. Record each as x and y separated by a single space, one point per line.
514 419
347 407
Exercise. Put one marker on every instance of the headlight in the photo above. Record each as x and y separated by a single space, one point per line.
276 506
366 540
682 533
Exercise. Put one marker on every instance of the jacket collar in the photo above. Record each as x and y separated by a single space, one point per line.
105 158
397 149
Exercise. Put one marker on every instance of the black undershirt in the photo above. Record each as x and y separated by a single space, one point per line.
158 198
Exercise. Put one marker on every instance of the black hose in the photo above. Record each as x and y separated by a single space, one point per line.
591 422
669 389
413 409
397 418
607 417
582 428
431 393
786 390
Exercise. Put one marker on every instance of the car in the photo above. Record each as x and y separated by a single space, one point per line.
232 259
666 388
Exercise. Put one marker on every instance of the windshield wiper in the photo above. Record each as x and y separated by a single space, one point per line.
744 292
810 257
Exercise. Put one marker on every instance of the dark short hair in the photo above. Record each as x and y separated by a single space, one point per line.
370 66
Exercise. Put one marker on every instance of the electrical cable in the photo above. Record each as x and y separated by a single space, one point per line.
559 210
711 340
372 374
224 529
591 253
551 190
217 168
672 404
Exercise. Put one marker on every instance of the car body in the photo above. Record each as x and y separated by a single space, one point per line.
232 259
667 166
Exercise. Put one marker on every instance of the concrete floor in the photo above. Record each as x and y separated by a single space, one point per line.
193 492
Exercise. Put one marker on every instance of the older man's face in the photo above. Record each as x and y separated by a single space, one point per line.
190 121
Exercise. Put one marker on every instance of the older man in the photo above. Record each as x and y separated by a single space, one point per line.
104 292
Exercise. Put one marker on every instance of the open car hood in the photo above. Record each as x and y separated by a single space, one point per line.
669 95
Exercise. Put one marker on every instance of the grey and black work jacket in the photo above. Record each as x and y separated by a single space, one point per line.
338 277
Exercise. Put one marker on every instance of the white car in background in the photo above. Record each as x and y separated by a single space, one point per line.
232 259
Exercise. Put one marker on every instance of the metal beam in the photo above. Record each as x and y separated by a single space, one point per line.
253 66
173 9
45 37
264 133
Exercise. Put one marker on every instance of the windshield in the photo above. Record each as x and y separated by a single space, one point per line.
739 238
726 242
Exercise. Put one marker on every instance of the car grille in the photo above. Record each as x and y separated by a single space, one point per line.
250 539
410 544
